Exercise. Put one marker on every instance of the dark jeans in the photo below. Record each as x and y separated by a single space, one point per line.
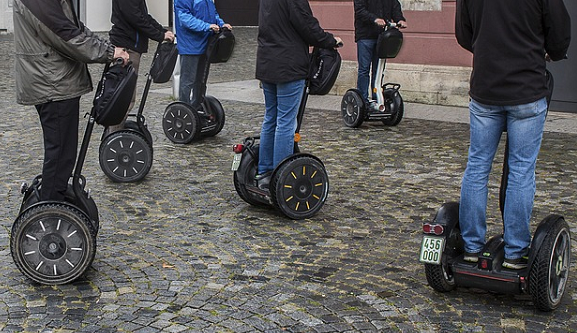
367 60
60 129
193 73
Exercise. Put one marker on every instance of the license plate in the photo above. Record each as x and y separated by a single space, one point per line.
236 161
432 249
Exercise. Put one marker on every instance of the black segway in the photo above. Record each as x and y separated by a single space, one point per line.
545 277
299 185
182 124
126 155
388 107
54 242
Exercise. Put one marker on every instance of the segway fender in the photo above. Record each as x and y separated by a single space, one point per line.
448 217
248 155
540 234
290 157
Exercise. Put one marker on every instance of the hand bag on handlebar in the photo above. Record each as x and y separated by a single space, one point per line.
389 43
220 46
163 62
113 94
324 70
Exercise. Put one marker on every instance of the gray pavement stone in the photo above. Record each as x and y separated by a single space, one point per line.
181 252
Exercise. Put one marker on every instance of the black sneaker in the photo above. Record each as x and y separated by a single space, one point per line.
519 263
471 256
262 180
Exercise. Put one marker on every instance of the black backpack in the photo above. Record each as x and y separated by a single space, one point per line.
113 94
324 70
163 62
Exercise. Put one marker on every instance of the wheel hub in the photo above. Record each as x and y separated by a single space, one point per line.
52 246
559 265
178 124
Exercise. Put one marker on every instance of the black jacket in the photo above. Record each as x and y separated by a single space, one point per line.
508 39
132 26
286 29
367 11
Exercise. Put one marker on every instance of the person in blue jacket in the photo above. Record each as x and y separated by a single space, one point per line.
194 22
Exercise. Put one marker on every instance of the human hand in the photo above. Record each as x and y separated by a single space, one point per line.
401 24
339 42
380 22
120 53
228 26
169 35
215 28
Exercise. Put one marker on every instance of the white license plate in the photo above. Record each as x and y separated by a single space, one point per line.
236 161
432 249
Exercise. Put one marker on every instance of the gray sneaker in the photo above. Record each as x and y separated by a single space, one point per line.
519 263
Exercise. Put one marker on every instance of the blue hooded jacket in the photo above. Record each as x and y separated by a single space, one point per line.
192 20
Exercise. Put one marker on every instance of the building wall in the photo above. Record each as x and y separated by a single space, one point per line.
431 67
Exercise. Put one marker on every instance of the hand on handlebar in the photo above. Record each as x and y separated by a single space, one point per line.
339 42
169 36
121 54
215 28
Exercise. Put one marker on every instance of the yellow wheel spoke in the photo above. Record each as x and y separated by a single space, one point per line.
316 197
297 207
304 170
294 176
288 186
308 206
314 173
319 184
289 198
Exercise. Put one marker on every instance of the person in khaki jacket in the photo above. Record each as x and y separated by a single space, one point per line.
52 49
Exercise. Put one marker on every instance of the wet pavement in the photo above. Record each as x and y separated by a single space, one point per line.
180 251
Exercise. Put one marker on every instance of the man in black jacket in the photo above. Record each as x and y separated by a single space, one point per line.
132 27
371 16
510 41
286 30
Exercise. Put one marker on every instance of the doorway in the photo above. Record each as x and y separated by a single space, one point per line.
238 13
565 72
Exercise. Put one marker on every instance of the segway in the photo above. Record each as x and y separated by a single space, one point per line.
547 272
299 185
126 155
54 242
388 107
180 122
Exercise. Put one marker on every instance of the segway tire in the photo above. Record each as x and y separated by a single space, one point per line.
550 270
353 108
53 243
215 116
394 105
125 156
439 278
181 123
299 186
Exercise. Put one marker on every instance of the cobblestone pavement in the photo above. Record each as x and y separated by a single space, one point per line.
181 252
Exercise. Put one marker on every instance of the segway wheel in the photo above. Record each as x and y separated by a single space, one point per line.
439 277
125 156
247 171
180 123
394 105
353 108
550 269
299 186
214 116
53 243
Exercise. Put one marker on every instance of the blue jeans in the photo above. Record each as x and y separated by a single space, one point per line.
367 59
192 72
524 125
282 101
